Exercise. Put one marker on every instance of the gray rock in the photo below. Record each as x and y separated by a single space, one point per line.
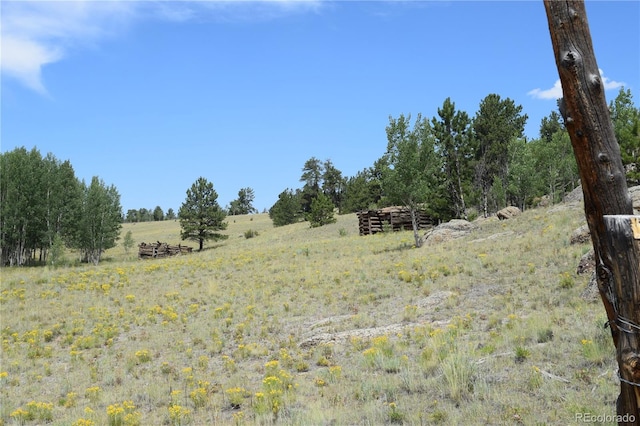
508 213
580 235
587 263
634 193
453 229
591 292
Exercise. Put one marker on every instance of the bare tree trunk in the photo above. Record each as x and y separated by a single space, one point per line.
586 116
416 226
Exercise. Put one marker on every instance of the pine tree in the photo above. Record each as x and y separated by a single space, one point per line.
201 218
333 183
626 125
244 203
321 212
496 124
312 173
288 208
452 137
158 214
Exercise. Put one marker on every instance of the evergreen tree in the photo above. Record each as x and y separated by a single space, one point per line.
158 214
322 211
171 215
312 172
145 215
364 190
496 124
626 125
356 193
201 218
288 208
332 183
551 125
244 203
375 180
132 216
452 137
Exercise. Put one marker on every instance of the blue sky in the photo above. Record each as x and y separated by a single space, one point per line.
150 95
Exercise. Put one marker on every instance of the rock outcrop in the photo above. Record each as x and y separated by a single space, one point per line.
453 229
508 213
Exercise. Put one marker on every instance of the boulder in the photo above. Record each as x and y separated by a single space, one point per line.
634 193
591 292
509 213
580 235
587 263
574 196
455 228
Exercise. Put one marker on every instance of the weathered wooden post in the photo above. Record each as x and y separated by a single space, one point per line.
614 231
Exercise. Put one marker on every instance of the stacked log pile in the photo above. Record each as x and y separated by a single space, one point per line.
394 218
155 250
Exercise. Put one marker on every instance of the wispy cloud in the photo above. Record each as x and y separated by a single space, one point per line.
555 92
37 33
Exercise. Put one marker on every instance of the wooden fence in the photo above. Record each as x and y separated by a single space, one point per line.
394 218
155 250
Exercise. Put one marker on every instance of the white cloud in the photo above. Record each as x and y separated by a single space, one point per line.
610 84
37 33
555 92
23 60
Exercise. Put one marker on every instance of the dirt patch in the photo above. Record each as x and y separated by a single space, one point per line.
428 304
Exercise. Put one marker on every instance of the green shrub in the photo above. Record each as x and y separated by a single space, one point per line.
250 233
321 212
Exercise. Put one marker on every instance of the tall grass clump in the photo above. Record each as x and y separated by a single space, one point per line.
458 371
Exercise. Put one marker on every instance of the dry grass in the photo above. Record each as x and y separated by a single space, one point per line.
312 326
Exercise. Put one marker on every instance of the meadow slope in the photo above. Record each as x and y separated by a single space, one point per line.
316 326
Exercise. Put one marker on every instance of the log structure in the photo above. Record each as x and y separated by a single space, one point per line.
394 218
608 207
158 249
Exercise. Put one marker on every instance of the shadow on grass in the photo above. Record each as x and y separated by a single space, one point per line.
401 247
213 247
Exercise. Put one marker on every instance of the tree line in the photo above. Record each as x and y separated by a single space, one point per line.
45 208
454 165
450 166
241 205
149 215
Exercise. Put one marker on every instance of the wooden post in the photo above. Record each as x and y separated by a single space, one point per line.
586 117
623 241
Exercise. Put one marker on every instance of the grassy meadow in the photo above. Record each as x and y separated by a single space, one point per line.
300 326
